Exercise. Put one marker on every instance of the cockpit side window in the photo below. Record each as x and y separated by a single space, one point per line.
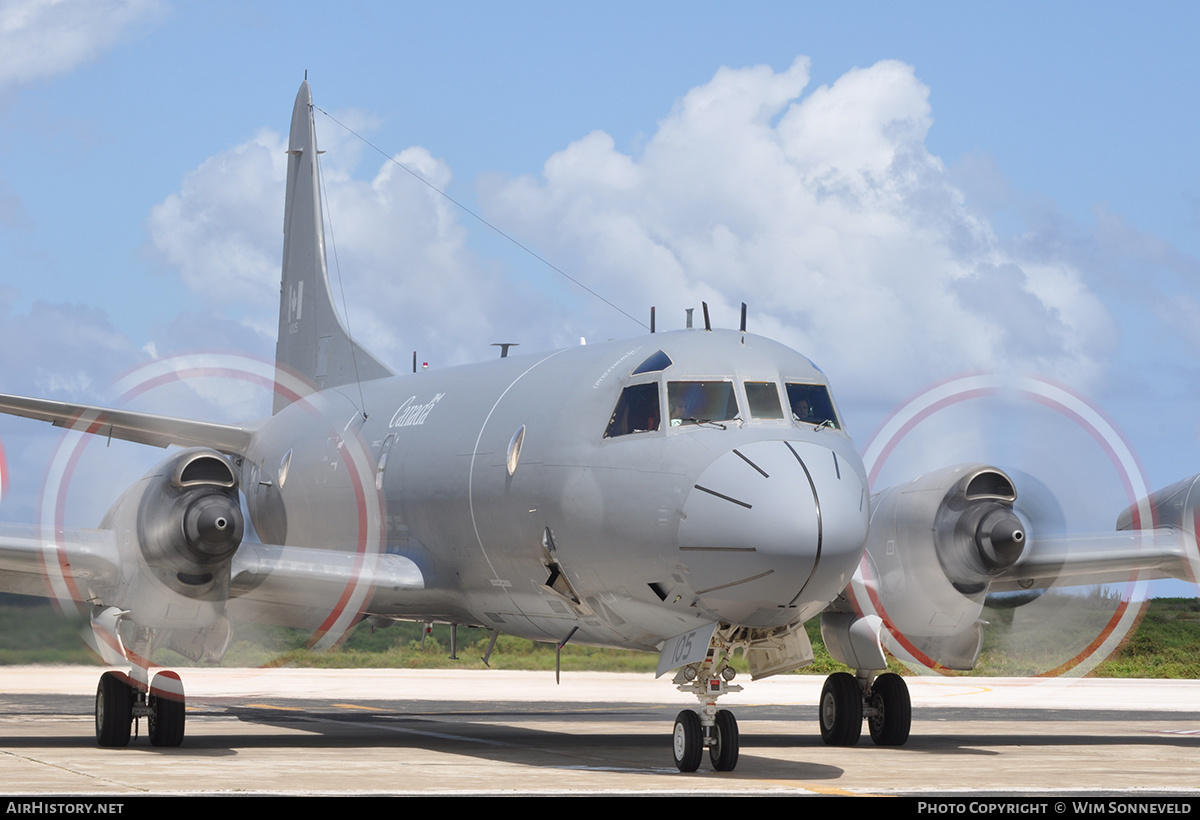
811 405
700 402
637 411
764 400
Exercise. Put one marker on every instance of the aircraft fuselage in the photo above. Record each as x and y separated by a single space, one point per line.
632 533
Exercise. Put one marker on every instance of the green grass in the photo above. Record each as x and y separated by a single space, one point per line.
1165 644
399 647
32 631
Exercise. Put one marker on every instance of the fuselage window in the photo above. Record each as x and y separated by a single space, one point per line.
811 405
637 411
764 400
700 402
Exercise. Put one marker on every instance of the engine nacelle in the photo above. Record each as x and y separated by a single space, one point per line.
178 528
1174 506
933 548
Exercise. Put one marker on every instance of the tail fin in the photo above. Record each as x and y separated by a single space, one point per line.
313 342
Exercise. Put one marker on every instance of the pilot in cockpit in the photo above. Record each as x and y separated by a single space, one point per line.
686 402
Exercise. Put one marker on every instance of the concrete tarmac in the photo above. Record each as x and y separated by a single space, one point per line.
304 731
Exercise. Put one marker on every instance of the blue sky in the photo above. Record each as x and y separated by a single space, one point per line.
904 193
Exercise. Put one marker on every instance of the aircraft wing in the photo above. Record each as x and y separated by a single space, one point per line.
1098 559
1165 549
111 567
287 585
941 544
142 428
301 586
68 564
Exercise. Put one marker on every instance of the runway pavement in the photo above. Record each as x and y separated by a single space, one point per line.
448 732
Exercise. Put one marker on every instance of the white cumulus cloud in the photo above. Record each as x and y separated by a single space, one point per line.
41 38
826 212
223 229
395 248
822 208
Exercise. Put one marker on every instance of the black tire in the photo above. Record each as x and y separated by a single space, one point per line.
841 710
114 710
890 724
166 704
724 751
687 741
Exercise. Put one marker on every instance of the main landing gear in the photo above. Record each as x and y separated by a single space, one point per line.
711 727
121 700
846 699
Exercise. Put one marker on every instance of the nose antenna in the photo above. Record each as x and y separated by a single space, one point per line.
707 324
743 328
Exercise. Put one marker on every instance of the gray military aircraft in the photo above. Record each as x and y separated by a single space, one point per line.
691 493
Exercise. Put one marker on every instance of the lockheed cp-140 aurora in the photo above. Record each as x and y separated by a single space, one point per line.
691 493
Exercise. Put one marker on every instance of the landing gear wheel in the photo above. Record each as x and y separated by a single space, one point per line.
687 741
724 751
114 710
841 710
166 704
893 711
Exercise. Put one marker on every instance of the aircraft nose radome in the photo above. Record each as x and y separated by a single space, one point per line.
767 519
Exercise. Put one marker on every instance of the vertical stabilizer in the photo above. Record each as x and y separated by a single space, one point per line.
313 342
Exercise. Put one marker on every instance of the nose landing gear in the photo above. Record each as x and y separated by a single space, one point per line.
710 727
720 736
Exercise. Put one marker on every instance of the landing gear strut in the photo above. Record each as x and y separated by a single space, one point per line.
884 702
711 727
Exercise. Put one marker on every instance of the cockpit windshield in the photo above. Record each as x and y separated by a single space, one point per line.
701 402
764 400
811 405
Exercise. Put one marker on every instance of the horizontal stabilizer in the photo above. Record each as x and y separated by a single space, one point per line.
142 428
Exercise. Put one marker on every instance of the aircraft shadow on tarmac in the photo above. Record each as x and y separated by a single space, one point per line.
491 734
508 733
